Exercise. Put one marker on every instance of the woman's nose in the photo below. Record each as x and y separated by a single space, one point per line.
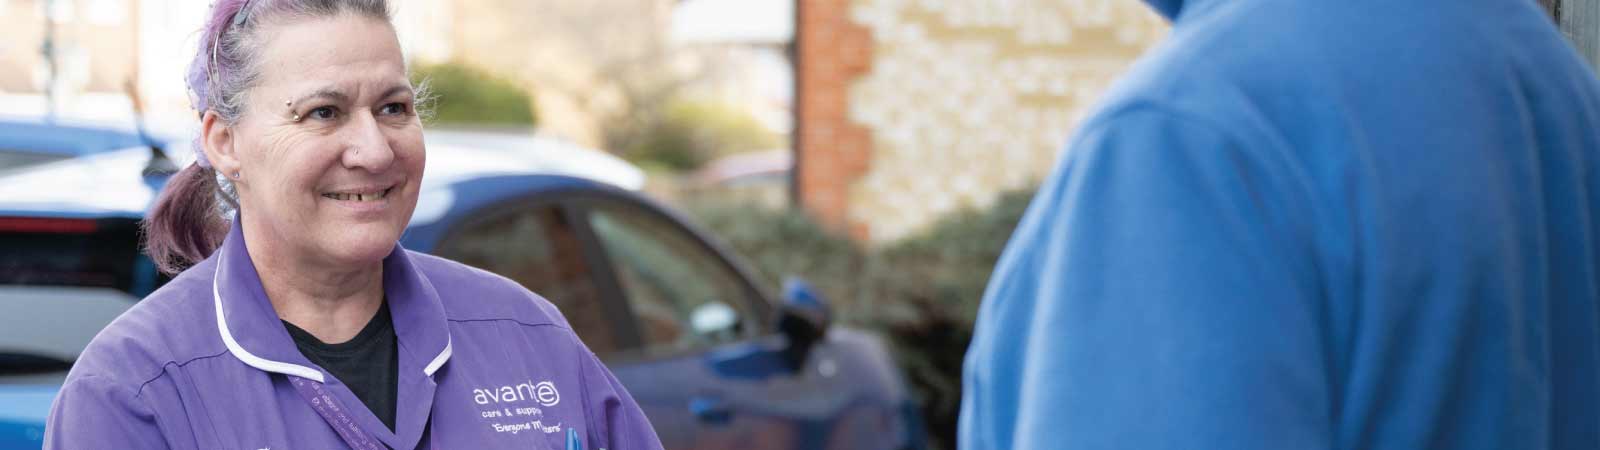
368 148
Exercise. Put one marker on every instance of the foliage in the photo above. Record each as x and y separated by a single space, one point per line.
782 243
684 134
921 292
465 95
937 278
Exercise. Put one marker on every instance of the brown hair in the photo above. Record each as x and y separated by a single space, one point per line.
187 222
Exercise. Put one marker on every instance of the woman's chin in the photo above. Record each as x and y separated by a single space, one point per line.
358 245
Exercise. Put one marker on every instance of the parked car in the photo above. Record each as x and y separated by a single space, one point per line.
716 360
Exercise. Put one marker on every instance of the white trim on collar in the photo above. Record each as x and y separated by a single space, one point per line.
251 359
438 361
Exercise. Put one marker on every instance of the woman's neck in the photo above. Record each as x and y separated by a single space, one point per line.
331 303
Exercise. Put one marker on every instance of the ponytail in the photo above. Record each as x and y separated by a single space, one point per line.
186 224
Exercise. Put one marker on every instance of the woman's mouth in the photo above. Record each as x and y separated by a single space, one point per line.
360 196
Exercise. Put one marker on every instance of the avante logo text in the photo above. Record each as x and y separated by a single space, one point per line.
544 392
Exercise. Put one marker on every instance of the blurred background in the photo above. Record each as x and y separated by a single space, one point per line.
882 150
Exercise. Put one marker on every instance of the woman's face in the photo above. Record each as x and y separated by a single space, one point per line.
337 185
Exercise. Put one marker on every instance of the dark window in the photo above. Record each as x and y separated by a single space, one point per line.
682 294
538 248
73 252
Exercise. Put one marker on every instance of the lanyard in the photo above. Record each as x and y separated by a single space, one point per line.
335 414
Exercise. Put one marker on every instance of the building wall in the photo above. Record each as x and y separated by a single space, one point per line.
832 151
95 40
911 110
424 28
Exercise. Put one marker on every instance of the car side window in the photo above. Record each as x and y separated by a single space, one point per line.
682 294
537 247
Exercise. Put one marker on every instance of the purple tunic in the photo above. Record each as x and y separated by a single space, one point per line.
204 363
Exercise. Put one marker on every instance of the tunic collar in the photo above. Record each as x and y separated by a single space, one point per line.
252 332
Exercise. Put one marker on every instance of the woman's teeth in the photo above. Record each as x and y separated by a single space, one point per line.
359 197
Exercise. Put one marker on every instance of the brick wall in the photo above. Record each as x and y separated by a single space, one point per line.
909 111
833 152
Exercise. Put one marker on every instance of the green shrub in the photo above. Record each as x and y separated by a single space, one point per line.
781 243
921 292
685 134
934 281
965 246
465 95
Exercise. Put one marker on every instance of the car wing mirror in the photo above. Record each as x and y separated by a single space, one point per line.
804 319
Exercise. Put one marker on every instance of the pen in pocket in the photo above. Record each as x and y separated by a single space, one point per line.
572 440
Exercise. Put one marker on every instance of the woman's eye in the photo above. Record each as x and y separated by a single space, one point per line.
394 109
324 113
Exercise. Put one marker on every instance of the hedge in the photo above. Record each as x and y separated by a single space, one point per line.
921 292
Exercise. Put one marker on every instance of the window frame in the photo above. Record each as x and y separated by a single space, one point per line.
607 291
574 204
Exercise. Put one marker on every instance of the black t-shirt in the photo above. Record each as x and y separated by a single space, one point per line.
368 363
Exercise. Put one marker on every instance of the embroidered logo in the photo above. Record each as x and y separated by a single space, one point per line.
504 409
546 393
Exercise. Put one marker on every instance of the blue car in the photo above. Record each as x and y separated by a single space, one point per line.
715 359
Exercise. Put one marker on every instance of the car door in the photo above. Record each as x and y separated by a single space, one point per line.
685 332
708 355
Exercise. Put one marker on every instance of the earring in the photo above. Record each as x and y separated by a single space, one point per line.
235 175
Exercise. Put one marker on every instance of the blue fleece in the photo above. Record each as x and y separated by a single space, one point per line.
1298 224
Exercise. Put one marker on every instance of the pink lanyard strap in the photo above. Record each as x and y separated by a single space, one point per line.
335 414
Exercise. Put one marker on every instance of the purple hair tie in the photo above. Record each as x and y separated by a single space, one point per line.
200 155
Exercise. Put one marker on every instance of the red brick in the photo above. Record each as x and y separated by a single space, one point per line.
834 153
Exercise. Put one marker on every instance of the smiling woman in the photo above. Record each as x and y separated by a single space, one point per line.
295 319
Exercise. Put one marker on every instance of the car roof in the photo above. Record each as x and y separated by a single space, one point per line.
109 183
455 156
66 137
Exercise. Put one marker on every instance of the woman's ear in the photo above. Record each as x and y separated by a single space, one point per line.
218 137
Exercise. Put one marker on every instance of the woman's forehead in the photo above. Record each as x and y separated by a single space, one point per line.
347 54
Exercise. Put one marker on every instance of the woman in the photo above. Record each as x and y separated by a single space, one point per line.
303 325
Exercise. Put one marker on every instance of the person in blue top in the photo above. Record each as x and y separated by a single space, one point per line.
1295 224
